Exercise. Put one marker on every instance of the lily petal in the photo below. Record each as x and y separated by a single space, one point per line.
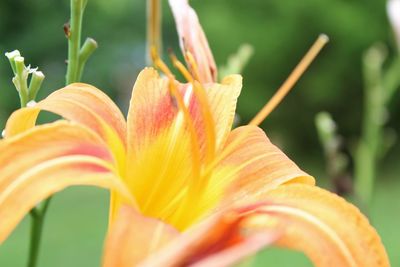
329 230
262 166
193 39
218 241
222 100
134 237
77 102
158 137
252 167
154 132
152 108
47 159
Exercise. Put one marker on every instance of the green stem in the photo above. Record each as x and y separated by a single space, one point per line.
38 215
77 58
74 40
372 129
23 99
86 51
391 78
35 84
336 161
238 61
20 80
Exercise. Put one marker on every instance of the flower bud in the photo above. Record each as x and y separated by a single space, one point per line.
393 10
11 57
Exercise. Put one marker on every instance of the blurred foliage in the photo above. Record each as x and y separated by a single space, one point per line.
279 31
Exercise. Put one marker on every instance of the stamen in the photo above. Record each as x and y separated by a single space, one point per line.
154 26
228 150
180 102
179 65
158 63
194 140
205 107
194 190
294 76
193 65
181 105
291 80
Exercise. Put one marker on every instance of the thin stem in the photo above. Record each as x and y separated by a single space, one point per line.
35 84
36 232
336 161
74 40
391 79
86 51
38 215
372 129
77 58
238 61
20 80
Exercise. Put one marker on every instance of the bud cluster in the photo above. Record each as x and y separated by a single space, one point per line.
21 77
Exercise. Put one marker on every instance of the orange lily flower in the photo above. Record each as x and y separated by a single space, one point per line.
198 194
151 163
172 171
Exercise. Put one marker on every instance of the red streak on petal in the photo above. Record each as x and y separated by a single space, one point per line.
152 119
225 233
91 150
166 111
92 167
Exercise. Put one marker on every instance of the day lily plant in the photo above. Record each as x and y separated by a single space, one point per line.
186 189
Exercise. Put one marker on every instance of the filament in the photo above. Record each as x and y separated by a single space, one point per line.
159 63
291 80
154 25
179 65
193 66
275 100
204 105
174 92
190 124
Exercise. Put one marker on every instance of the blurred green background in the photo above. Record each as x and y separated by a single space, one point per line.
280 32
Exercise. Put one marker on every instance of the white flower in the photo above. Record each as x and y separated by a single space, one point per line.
393 10
31 104
13 54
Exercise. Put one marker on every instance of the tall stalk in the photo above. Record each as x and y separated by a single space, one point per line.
77 57
74 39
379 88
372 125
